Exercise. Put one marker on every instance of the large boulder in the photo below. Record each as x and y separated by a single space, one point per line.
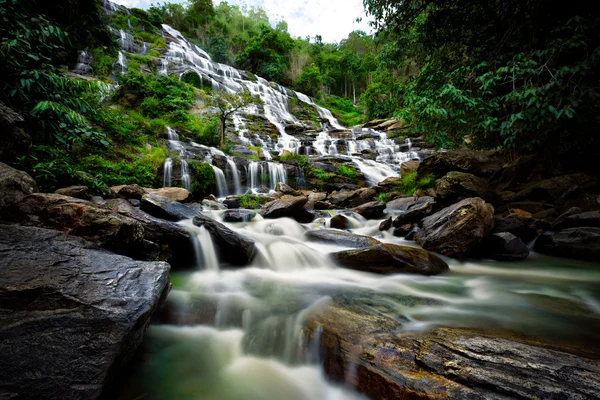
341 238
525 228
14 185
391 259
165 208
550 190
15 141
234 248
181 195
408 166
502 247
458 228
411 209
73 315
455 186
133 191
363 345
579 243
577 220
79 192
340 222
78 218
480 163
370 210
238 215
288 206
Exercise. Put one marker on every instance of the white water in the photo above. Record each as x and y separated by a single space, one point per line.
220 181
235 176
167 172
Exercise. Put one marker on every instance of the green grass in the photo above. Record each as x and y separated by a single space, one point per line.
348 171
343 110
252 202
411 182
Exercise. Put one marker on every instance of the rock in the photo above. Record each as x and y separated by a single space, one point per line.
533 207
14 185
213 205
162 207
524 228
239 215
458 228
97 200
15 141
391 259
371 210
78 218
411 209
232 202
288 206
341 238
479 163
77 313
576 220
550 190
79 192
211 197
340 222
234 248
173 241
134 202
385 225
404 230
579 243
286 189
502 247
390 182
181 195
365 347
408 166
323 205
455 186
134 191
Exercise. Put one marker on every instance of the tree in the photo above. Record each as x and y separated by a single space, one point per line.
227 104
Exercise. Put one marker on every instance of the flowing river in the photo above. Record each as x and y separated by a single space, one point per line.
237 333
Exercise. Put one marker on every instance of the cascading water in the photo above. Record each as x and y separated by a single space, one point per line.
220 181
235 176
167 172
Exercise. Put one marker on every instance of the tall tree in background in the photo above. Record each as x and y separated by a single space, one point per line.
228 103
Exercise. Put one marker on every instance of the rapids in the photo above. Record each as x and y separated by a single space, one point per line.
238 332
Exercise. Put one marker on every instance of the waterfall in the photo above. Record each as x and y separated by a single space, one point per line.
277 174
220 181
167 172
235 176
122 62
374 172
185 175
254 171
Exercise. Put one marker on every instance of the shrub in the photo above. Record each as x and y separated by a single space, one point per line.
348 171
203 178
252 202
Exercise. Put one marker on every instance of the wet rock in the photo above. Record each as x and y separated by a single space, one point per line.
408 166
77 217
341 238
579 243
370 210
134 202
323 205
340 222
14 185
390 182
411 209
404 230
286 189
79 192
524 228
77 313
288 206
391 259
458 228
479 163
233 247
385 225
181 195
134 191
162 207
533 207
455 186
550 190
239 215
232 202
576 220
15 141
213 205
502 247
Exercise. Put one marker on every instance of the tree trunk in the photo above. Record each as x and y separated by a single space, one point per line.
354 93
222 135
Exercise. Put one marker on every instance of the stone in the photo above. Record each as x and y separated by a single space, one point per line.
479 163
232 202
181 195
233 247
288 206
370 210
550 190
577 220
412 209
458 228
408 166
390 182
391 259
15 141
14 185
340 222
77 313
455 186
502 247
239 215
134 191
404 230
286 189
213 205
162 207
77 217
524 228
79 192
341 238
385 225
579 243
323 205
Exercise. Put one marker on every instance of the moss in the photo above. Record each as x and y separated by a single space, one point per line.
348 171
203 178
153 53
252 202
411 182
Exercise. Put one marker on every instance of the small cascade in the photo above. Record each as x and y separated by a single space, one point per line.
121 63
185 174
254 175
129 24
144 48
375 172
220 181
277 174
235 176
167 172
84 63
164 65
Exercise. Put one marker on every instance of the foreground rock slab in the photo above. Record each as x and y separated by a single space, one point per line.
368 350
234 248
342 238
391 259
71 315
163 207
579 243
288 206
458 228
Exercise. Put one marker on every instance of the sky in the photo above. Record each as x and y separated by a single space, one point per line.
332 19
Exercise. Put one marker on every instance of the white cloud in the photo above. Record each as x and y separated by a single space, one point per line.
332 19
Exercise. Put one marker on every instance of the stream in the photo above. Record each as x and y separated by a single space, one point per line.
238 333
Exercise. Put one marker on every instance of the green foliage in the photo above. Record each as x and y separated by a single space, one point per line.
228 103
343 110
310 81
348 171
203 178
153 53
411 182
104 58
252 201
320 174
